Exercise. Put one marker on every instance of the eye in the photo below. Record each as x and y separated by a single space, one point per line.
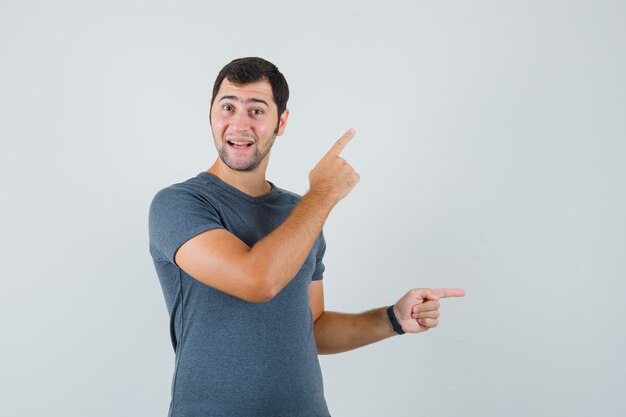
256 112
227 107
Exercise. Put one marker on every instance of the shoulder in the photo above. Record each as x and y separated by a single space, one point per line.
179 212
190 192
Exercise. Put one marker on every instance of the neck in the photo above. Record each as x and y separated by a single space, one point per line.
252 182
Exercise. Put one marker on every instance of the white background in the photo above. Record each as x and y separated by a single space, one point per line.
491 151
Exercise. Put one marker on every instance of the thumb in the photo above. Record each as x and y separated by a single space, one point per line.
430 295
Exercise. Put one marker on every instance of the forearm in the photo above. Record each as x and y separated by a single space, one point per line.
340 332
280 255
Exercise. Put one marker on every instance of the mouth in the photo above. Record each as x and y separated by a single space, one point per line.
239 144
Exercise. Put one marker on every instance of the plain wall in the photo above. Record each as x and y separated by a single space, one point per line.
491 151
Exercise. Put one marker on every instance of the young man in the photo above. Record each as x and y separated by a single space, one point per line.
240 264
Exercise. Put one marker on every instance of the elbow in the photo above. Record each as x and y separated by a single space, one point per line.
262 290
261 296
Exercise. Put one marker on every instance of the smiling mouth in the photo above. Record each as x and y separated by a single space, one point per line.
239 144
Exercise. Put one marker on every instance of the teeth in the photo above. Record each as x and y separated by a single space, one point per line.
239 143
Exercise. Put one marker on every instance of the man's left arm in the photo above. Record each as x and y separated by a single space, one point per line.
417 311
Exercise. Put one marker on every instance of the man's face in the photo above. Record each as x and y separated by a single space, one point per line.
244 123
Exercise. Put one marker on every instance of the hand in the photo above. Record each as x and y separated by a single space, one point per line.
333 176
418 310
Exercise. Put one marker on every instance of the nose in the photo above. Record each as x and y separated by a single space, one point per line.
240 121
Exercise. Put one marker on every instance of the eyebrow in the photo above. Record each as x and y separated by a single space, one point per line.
250 100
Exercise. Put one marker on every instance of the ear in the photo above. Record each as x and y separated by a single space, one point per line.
282 122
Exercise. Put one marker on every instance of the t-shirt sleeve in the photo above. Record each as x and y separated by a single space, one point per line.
318 274
177 215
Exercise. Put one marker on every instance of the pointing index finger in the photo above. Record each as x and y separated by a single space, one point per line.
449 292
342 142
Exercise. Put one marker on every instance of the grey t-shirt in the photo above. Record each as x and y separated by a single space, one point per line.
235 358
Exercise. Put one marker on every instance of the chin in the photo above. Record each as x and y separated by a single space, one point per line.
241 167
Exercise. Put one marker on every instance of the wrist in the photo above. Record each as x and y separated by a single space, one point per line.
321 198
393 319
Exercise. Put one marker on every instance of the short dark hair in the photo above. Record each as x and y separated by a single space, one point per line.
253 69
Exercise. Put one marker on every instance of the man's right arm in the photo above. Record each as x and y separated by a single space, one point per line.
219 259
